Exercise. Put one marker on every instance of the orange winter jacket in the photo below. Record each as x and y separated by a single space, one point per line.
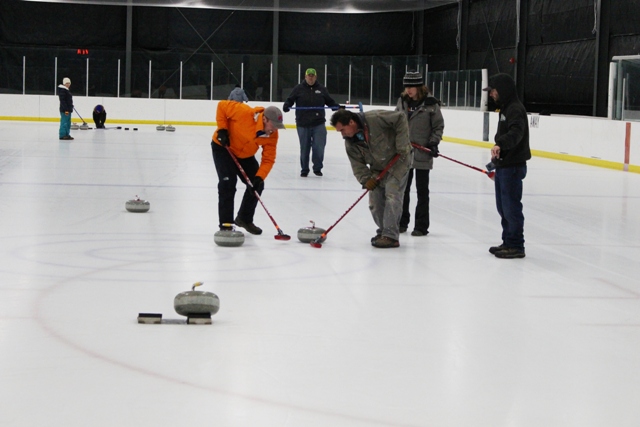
243 122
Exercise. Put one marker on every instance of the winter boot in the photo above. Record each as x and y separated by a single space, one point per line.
386 242
249 226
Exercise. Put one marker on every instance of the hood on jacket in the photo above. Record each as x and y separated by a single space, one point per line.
506 87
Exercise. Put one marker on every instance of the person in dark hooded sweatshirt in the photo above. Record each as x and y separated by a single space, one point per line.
426 126
99 116
509 156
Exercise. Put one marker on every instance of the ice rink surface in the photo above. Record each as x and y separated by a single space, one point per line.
436 333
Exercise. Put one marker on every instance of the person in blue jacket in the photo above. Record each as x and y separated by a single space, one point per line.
66 108
99 116
310 97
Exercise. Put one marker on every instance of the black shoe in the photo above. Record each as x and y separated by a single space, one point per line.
386 242
403 229
510 253
318 173
249 226
304 174
494 249
375 238
419 233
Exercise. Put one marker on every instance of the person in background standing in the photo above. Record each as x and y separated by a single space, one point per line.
509 156
99 116
66 108
237 94
310 97
426 126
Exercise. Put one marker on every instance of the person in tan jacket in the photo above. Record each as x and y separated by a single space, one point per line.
243 130
372 140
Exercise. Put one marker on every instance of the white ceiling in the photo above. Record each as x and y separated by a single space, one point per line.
325 6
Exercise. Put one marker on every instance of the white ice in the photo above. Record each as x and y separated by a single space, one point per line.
436 333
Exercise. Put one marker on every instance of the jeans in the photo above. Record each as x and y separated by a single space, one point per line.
312 137
385 203
508 185
422 207
65 125
228 174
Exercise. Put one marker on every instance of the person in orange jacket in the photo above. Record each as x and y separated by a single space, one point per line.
243 130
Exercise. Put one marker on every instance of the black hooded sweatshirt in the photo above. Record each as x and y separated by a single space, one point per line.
513 128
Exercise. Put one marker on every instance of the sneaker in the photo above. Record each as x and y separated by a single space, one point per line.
386 242
494 249
419 233
510 253
375 238
249 226
304 174
403 229
67 138
318 173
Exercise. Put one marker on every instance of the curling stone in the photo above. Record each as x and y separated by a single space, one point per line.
309 234
126 128
137 205
74 126
196 302
84 126
170 129
228 237
160 127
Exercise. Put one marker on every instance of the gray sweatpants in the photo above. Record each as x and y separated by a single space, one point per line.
385 203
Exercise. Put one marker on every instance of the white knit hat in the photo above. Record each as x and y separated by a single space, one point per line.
66 80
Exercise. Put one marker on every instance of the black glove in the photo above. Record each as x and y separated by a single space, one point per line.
257 182
434 150
286 108
371 184
223 137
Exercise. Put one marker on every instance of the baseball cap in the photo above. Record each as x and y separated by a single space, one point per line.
310 72
274 115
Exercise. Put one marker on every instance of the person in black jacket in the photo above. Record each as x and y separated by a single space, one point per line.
66 108
99 116
310 97
509 156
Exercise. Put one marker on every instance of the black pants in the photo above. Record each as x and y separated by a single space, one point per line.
422 208
228 174
99 119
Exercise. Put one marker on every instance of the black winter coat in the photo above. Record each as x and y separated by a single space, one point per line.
513 128
304 95
66 99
